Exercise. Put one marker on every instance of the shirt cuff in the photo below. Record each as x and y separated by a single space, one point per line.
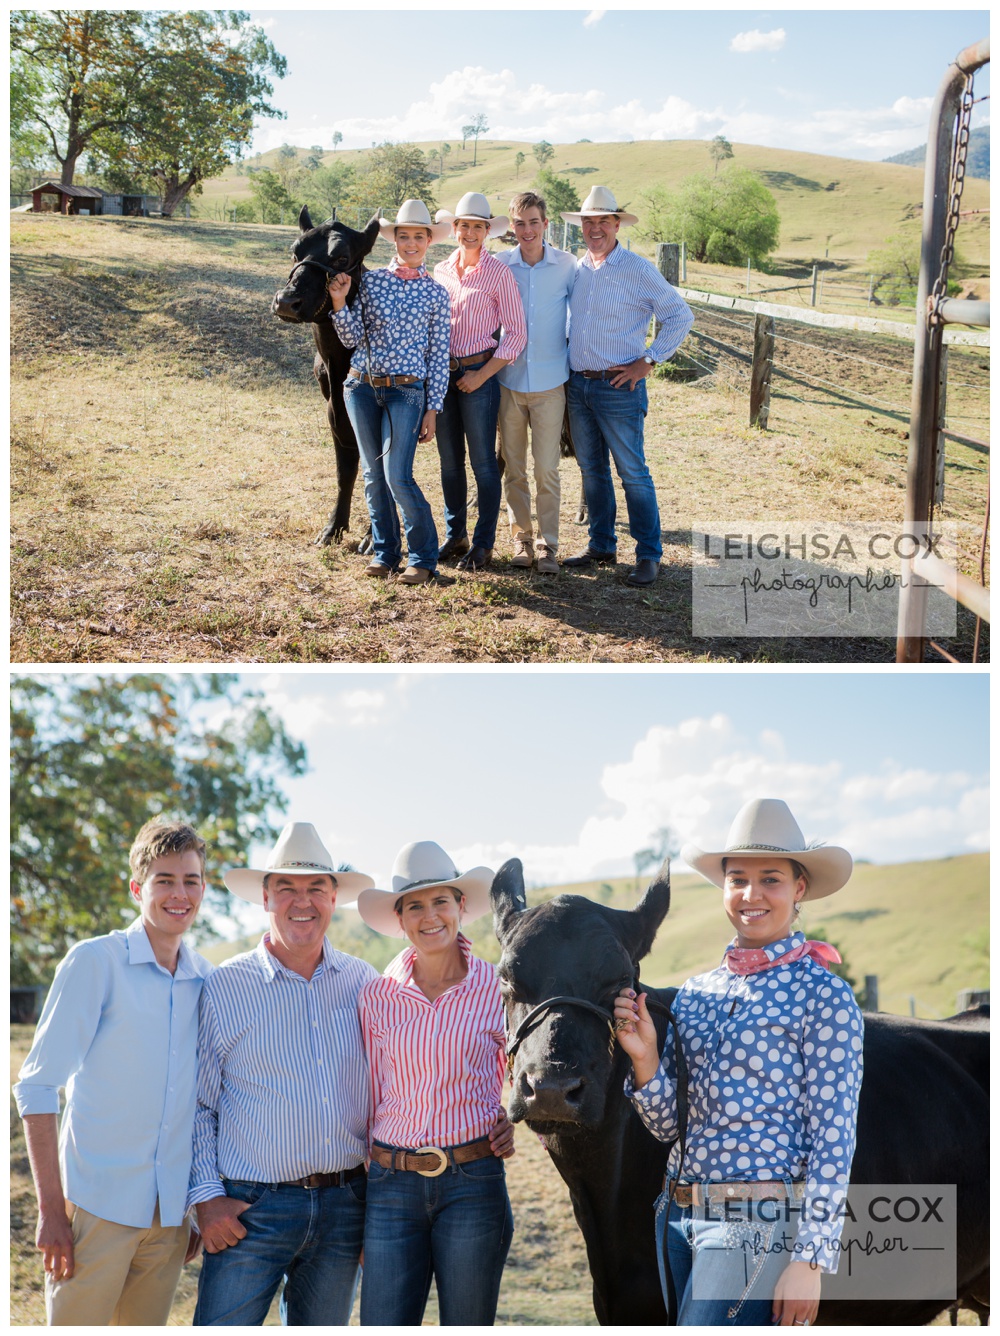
648 1093
204 1192
36 1098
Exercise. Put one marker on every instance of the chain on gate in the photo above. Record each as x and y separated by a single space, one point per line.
960 154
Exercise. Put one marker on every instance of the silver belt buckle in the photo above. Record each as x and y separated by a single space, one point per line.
433 1150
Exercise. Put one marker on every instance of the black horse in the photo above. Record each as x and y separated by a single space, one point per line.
331 248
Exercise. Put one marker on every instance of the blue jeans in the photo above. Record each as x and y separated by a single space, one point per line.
456 1227
310 1238
605 421
387 425
470 418
727 1265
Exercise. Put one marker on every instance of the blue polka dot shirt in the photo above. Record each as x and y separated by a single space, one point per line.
774 1069
408 321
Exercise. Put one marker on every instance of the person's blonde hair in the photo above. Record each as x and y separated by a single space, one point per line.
528 200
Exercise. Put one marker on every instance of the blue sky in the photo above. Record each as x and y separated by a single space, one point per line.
575 771
851 83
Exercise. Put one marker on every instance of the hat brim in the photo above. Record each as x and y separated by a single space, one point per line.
248 882
377 907
829 867
627 219
439 231
498 225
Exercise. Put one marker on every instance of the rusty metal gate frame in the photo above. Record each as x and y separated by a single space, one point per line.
934 310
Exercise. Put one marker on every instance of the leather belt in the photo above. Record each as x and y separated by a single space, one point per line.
603 375
717 1194
382 382
455 362
335 1180
430 1161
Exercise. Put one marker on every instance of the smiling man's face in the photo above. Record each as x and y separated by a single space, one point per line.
170 895
300 906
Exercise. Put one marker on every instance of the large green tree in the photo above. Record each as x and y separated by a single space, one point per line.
92 758
560 195
727 219
207 81
328 188
90 68
390 174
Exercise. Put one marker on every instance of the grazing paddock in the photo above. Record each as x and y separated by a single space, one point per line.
171 463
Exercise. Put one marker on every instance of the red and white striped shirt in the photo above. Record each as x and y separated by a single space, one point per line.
436 1068
483 300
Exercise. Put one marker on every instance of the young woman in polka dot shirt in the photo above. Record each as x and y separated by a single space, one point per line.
772 1043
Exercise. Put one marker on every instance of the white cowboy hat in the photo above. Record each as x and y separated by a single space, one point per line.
420 867
766 826
476 206
599 202
298 852
413 213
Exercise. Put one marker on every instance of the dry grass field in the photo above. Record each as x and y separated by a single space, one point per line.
172 464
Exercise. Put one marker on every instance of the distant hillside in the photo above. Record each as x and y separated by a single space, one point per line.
836 206
922 928
977 163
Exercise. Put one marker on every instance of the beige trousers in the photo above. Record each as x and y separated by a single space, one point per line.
122 1277
542 411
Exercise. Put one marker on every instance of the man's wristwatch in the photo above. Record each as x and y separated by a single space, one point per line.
646 358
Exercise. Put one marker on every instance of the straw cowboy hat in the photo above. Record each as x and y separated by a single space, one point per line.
298 852
476 206
766 826
598 203
420 867
413 213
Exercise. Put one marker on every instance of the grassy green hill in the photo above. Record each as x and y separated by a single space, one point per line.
923 928
826 203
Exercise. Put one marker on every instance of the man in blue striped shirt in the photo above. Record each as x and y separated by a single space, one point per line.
615 297
278 1176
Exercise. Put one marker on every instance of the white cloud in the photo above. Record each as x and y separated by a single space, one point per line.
694 778
755 40
593 17
360 708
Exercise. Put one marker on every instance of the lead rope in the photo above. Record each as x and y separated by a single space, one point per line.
682 1121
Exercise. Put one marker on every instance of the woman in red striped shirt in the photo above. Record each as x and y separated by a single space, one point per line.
484 300
433 1030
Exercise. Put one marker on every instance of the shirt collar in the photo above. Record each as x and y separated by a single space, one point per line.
394 264
190 965
515 257
401 969
777 949
272 966
610 258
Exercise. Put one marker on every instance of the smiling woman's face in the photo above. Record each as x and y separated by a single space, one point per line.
431 919
760 895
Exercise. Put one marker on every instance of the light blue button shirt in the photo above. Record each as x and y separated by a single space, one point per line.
545 290
120 1033
611 309
282 1077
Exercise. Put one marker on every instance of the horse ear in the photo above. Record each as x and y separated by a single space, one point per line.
643 921
507 896
371 234
305 221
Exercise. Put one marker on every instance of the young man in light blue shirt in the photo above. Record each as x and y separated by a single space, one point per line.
532 388
119 1031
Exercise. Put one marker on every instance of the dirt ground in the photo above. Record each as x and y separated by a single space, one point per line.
172 465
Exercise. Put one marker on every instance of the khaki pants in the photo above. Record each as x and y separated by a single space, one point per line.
542 411
122 1277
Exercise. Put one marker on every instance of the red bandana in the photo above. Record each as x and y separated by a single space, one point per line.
749 960
401 271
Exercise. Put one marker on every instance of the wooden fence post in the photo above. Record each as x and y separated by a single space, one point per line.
684 262
668 262
760 370
942 400
815 272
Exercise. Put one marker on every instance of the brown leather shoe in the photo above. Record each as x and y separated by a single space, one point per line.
588 557
416 575
523 555
547 561
454 547
378 570
476 558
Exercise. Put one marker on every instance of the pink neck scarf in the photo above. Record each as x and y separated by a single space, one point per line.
402 271
750 960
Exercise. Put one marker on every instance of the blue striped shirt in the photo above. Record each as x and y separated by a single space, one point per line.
282 1078
611 308
118 1030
